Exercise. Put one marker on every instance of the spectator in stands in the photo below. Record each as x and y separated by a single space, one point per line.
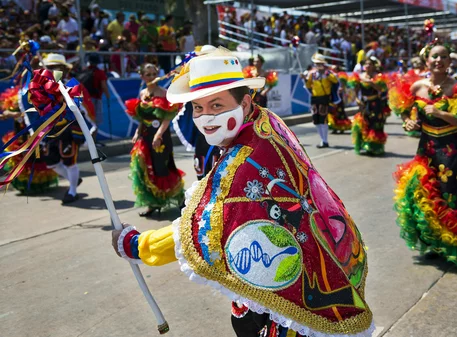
42 8
87 21
187 41
346 48
167 43
148 36
132 25
70 26
7 60
100 23
310 37
116 27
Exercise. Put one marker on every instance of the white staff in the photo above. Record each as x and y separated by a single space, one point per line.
162 323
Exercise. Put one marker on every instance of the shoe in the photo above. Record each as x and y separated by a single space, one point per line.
68 198
150 212
80 180
322 145
334 132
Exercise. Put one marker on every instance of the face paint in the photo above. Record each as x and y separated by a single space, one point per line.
217 128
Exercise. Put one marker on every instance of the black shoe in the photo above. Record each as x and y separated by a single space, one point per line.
334 132
68 198
322 145
150 212
80 180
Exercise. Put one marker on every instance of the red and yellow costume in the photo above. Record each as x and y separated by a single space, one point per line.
156 180
265 229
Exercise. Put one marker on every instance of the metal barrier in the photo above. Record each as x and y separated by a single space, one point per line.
227 31
123 54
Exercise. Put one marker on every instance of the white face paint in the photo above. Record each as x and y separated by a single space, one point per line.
217 128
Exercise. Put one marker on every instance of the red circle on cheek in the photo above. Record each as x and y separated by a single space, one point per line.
231 123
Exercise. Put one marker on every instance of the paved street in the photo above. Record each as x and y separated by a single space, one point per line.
61 278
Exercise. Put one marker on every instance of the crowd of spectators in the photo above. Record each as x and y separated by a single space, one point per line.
388 43
53 23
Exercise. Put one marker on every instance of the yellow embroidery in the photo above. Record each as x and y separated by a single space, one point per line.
217 213
277 199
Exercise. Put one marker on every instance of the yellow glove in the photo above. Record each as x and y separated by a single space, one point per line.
157 247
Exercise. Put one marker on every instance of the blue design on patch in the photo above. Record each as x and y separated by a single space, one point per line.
206 215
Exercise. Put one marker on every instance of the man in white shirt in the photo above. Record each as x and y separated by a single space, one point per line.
69 25
310 37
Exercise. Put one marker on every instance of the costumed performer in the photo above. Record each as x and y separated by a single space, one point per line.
271 76
338 121
42 177
368 125
157 182
319 81
205 155
426 193
61 153
263 227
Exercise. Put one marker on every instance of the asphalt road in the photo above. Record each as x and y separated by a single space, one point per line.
60 277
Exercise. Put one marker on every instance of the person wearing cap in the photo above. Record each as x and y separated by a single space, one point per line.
148 36
61 153
132 25
368 125
263 227
320 81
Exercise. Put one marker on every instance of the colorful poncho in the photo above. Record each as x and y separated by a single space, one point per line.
265 229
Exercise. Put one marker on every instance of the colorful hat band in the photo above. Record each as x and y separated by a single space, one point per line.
215 80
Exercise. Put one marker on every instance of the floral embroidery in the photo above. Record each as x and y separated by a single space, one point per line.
449 150
302 237
281 174
254 190
430 148
450 199
264 173
444 173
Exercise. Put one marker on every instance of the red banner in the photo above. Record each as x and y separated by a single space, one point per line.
434 4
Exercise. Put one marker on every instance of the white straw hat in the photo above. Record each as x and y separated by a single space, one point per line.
209 74
56 59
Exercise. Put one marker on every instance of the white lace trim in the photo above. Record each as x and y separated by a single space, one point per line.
189 147
120 245
252 305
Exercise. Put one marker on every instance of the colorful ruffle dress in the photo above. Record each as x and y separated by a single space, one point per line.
271 80
43 178
265 229
399 85
426 193
368 125
337 118
156 180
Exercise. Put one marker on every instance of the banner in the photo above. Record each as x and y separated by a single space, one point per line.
434 4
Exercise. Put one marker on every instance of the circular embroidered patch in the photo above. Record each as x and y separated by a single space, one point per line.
264 255
155 124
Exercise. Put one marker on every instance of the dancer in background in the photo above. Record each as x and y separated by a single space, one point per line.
43 178
338 121
320 81
426 192
156 180
61 153
368 125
